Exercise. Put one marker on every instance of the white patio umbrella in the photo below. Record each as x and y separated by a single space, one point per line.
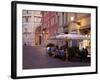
76 36
71 36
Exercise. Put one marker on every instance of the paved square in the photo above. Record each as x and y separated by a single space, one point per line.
36 57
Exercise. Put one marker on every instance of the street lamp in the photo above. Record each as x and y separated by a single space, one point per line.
72 18
74 24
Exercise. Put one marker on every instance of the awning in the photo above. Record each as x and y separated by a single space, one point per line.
72 36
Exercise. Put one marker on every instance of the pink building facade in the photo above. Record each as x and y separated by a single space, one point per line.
49 22
49 25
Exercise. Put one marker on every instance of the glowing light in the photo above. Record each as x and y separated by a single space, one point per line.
72 18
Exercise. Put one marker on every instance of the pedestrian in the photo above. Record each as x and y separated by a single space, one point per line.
56 51
62 53
85 53
49 51
82 55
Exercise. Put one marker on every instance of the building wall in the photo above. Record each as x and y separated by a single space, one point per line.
29 25
81 21
86 25
59 22
50 24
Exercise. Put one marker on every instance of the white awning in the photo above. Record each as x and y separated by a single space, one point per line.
71 36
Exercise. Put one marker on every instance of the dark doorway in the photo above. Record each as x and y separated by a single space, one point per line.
39 40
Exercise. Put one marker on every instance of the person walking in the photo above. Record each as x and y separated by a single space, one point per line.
56 51
82 58
85 53
62 53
